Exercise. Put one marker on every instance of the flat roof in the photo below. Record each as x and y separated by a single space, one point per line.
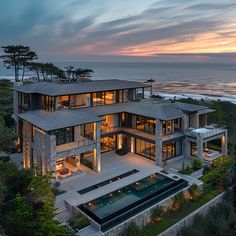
56 89
57 119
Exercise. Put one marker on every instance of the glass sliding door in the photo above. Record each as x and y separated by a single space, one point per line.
146 149
171 150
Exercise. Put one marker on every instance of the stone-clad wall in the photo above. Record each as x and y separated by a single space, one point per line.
44 151
188 220
142 218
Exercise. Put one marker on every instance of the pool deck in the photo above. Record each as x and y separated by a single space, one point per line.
112 166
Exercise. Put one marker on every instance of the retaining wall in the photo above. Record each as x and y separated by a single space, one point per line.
188 220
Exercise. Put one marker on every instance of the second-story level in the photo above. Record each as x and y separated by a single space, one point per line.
50 96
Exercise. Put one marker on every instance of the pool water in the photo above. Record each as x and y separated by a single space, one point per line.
123 203
112 202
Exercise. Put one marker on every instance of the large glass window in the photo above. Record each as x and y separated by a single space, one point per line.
110 97
49 103
172 149
168 127
177 124
63 102
79 100
193 149
65 135
99 99
24 102
139 93
123 95
126 120
145 124
108 143
202 120
89 130
109 123
146 149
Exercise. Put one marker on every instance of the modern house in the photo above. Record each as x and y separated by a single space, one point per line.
68 125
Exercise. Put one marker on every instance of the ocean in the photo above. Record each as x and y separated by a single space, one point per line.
174 78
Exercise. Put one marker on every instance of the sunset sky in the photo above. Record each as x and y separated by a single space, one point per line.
161 29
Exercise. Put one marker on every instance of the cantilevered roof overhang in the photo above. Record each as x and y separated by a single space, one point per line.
163 110
58 119
57 89
156 111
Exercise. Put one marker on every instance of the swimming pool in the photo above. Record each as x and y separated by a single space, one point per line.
115 207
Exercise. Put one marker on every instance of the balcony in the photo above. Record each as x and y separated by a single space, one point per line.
205 132
139 133
69 149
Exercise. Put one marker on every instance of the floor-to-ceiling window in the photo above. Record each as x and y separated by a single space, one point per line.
108 143
64 135
171 149
63 102
168 127
79 100
110 97
146 149
145 124
193 149
123 95
109 122
98 99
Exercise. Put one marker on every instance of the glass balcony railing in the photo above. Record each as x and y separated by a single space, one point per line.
73 145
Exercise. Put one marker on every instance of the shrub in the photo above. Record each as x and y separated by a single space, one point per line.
186 171
121 151
196 164
133 230
78 221
5 158
87 163
178 201
157 214
194 192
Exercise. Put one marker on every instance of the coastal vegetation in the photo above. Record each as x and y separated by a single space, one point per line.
27 203
220 220
22 59
216 180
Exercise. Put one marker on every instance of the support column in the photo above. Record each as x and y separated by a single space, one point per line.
199 145
77 160
186 148
119 141
97 150
132 143
196 121
224 148
184 122
158 143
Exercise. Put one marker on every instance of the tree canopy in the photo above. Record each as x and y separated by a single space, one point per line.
17 57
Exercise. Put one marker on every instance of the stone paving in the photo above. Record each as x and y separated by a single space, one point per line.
112 165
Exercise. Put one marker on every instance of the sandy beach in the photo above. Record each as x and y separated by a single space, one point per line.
221 91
